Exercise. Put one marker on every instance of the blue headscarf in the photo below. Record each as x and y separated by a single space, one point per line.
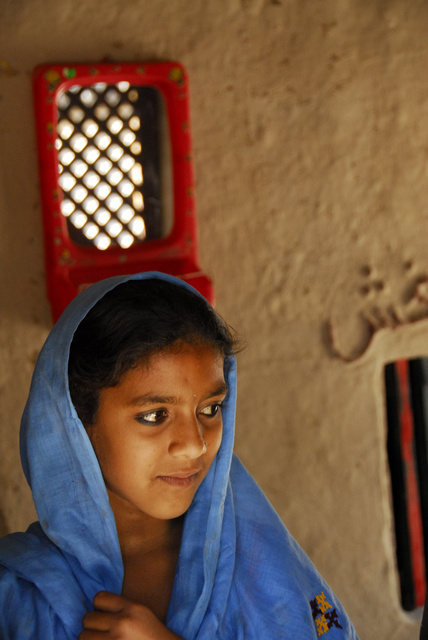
240 575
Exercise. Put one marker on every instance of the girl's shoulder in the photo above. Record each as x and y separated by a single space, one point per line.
274 576
36 582
30 554
24 611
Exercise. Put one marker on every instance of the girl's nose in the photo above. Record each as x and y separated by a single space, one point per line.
188 439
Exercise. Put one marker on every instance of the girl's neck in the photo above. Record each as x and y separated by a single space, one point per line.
140 533
150 549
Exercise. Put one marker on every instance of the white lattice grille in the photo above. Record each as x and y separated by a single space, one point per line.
108 137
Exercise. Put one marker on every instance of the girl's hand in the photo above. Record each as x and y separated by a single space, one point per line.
118 618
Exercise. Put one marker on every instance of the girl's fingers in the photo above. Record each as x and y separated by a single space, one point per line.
98 620
118 617
107 601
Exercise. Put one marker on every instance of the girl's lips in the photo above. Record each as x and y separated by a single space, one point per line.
181 479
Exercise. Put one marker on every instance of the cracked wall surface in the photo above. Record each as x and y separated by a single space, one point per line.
310 147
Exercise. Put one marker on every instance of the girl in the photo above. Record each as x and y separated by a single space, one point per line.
149 527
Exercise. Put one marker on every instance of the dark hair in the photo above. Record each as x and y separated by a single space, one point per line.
130 323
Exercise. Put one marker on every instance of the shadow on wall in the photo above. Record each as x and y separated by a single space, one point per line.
3 527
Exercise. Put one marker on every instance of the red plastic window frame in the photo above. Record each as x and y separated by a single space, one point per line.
70 267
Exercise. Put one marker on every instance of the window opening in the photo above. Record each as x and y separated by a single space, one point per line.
109 163
406 384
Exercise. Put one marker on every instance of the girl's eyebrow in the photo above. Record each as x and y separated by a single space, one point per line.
150 398
221 390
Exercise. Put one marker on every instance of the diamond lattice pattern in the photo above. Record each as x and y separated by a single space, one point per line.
100 168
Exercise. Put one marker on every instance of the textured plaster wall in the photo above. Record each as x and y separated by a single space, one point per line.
310 135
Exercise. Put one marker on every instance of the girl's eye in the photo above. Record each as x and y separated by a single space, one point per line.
212 410
152 417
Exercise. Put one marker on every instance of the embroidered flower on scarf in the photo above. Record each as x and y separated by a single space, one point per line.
324 615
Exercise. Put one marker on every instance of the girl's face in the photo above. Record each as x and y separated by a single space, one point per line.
158 430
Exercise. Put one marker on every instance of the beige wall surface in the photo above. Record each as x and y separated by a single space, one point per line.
310 135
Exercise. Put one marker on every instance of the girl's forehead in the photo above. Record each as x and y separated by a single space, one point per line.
183 351
199 370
